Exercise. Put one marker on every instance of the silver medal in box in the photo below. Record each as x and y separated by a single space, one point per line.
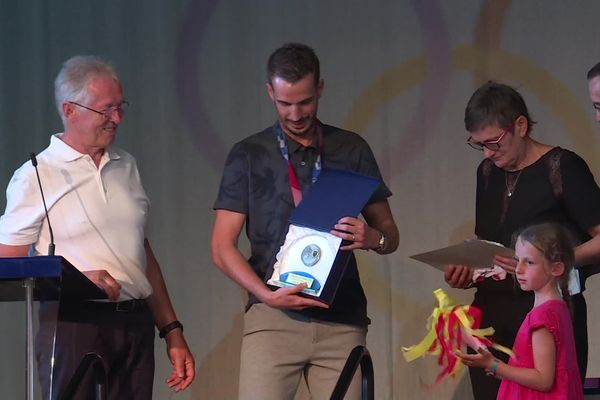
306 257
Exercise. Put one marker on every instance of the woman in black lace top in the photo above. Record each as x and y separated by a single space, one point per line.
521 182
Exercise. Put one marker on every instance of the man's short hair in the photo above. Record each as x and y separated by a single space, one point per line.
71 83
495 104
594 72
292 62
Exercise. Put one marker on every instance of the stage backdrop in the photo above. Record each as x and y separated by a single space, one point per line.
398 72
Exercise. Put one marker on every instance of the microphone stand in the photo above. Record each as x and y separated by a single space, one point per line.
37 173
29 285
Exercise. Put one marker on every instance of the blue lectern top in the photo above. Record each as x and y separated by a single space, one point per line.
54 278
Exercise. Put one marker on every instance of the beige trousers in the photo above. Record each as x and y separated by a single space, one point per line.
278 350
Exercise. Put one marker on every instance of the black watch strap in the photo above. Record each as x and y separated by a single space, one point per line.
162 332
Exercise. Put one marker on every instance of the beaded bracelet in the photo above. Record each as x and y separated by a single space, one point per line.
162 332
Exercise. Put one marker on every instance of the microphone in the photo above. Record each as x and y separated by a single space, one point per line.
51 245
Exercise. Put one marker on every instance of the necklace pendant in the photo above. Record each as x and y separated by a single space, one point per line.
510 189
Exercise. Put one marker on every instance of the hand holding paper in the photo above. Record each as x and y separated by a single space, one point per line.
458 276
509 264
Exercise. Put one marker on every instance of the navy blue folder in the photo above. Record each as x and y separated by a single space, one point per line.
334 195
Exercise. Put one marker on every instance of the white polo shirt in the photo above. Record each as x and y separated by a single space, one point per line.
98 214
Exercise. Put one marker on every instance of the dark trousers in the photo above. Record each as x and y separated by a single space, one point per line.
579 315
123 339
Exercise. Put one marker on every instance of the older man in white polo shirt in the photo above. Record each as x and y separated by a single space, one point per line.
96 200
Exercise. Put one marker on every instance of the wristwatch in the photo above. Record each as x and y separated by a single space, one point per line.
381 244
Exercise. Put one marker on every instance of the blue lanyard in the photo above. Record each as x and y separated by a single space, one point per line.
316 170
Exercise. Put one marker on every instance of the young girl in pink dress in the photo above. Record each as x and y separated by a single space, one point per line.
544 365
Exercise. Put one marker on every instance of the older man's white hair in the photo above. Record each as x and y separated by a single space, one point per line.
71 84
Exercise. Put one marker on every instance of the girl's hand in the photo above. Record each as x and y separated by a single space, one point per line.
483 359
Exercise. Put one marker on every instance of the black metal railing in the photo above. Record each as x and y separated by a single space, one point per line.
358 356
94 361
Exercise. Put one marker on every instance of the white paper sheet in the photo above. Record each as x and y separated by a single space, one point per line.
474 253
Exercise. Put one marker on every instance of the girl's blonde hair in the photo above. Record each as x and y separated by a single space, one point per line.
556 245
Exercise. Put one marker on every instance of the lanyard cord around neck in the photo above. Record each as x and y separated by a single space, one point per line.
295 186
